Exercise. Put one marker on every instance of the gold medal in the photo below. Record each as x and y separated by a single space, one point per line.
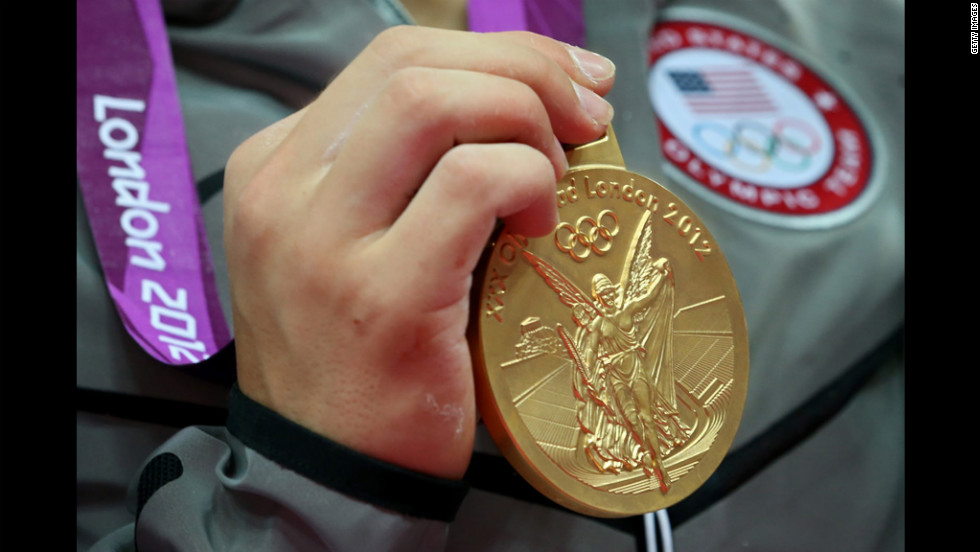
611 356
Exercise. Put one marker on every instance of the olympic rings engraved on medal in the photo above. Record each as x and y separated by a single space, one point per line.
788 144
589 235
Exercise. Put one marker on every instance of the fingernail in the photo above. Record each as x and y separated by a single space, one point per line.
596 67
599 109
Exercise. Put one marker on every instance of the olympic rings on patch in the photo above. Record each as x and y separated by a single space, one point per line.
797 137
752 146
589 235
788 145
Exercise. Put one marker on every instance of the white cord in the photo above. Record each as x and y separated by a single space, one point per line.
650 531
665 530
663 524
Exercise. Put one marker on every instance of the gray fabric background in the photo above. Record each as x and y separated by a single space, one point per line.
815 301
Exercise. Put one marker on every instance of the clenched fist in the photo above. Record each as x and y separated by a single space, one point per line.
353 226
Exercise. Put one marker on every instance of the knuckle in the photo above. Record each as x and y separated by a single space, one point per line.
524 102
470 175
543 66
476 173
539 169
396 44
394 37
535 68
535 174
246 215
525 35
528 38
412 90
251 232
240 162
464 164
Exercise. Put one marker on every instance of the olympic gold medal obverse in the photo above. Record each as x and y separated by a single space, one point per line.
611 356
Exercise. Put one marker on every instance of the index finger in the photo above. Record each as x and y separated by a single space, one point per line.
567 80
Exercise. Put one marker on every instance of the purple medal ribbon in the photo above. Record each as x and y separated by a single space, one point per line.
137 185
135 176
558 19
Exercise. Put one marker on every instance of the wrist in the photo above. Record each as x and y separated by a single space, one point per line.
429 429
339 467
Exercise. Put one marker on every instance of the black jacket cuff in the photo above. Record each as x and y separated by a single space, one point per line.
340 468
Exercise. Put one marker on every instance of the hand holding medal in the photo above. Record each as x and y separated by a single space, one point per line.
353 228
607 339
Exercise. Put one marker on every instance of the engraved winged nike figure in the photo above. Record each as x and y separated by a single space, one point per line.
621 353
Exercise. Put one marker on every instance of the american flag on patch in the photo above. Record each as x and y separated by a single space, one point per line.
722 90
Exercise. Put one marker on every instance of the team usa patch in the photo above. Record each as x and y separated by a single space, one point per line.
755 129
